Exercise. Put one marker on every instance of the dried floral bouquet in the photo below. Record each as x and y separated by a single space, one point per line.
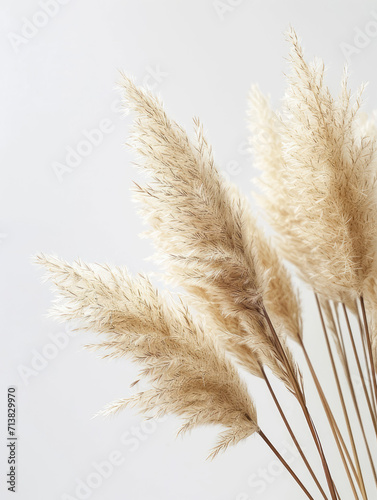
319 169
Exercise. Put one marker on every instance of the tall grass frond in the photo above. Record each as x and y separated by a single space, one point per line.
319 179
188 373
204 232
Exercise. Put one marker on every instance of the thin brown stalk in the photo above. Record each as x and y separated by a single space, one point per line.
292 434
342 448
366 358
289 469
361 375
301 399
339 331
369 348
355 402
341 397
347 371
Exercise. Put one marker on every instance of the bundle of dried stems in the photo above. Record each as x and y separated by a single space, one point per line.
319 196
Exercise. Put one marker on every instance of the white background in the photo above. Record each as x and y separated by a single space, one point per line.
58 82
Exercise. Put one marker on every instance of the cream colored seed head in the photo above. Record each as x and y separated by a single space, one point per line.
188 373
318 179
205 235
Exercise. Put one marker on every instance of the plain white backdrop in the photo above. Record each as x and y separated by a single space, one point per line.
58 194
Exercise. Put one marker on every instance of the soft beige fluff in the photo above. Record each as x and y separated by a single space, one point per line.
319 174
208 241
188 373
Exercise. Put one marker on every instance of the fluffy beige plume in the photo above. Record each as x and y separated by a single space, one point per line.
228 329
205 233
188 374
319 179
280 298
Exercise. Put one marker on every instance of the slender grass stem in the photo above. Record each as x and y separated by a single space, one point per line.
341 396
366 358
342 448
360 370
292 434
369 349
301 399
353 393
285 464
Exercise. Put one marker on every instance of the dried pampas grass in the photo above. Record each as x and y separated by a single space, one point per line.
319 179
205 235
188 374
319 166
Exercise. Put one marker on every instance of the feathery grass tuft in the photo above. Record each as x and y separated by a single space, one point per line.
319 179
188 373
207 239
